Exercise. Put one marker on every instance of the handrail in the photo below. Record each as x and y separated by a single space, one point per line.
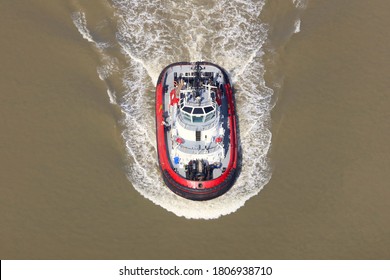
193 150
203 128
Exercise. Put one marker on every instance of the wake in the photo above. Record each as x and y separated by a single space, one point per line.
152 34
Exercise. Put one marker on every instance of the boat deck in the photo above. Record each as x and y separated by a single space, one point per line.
196 149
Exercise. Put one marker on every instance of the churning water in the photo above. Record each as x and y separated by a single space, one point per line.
152 34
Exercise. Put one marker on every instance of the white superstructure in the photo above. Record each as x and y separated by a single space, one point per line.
196 119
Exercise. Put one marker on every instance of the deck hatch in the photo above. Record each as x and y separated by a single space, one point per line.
197 135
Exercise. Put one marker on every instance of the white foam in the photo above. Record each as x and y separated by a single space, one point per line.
300 4
297 26
109 64
80 21
81 24
108 67
112 96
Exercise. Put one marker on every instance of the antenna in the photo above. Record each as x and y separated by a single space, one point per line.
198 69
209 87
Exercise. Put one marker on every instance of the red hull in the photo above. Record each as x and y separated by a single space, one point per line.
195 190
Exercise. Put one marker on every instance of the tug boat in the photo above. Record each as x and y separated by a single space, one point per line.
196 129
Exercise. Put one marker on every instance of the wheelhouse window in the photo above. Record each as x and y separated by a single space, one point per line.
198 111
209 116
187 109
197 114
187 117
208 109
197 119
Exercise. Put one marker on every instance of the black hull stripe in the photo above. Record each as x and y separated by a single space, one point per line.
200 194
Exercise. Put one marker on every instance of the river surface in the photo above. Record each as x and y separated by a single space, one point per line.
78 168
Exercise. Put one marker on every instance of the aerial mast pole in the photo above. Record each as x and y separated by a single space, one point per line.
198 70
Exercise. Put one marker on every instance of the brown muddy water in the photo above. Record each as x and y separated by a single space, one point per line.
70 183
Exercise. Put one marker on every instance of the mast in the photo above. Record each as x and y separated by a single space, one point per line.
198 69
